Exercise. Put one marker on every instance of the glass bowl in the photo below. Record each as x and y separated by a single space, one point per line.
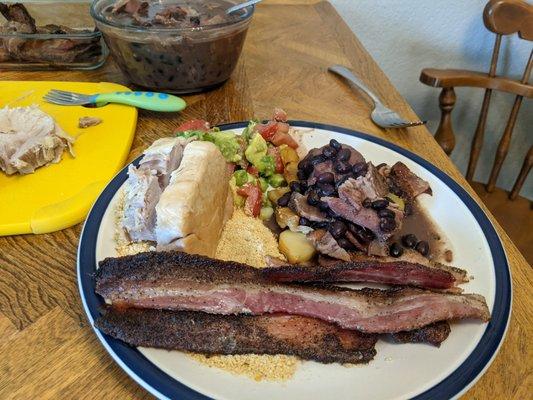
62 39
172 59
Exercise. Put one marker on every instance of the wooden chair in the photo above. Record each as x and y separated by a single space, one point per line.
514 213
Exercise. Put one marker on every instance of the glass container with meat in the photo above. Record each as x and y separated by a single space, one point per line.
179 46
42 35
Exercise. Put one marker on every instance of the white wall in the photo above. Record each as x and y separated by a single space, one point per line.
405 36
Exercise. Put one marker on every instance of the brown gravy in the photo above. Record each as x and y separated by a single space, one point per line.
420 224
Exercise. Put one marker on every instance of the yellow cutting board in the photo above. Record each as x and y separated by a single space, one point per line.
60 195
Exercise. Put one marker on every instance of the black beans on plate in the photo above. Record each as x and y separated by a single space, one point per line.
360 169
325 189
422 247
380 204
283 201
304 221
295 186
329 152
325 177
395 250
409 241
338 229
387 224
386 213
343 154
336 145
313 199
342 167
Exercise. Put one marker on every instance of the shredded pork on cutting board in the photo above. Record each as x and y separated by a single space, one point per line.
29 139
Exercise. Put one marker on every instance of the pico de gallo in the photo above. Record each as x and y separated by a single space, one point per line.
263 159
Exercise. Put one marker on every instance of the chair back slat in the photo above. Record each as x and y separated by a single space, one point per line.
479 134
503 146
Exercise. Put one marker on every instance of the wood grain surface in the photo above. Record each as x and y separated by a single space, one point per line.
47 348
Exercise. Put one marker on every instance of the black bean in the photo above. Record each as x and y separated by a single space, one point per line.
325 177
336 145
345 244
320 225
387 224
337 229
296 187
317 159
301 174
304 221
326 189
364 236
323 206
380 204
409 241
303 185
343 154
367 203
330 213
395 250
359 169
283 201
329 152
313 199
342 167
386 213
422 247
303 163
408 209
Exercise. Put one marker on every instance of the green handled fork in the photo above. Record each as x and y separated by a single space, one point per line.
146 100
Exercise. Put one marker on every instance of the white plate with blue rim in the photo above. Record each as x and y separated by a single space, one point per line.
399 371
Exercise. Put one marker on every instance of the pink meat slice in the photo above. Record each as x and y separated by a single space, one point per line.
180 281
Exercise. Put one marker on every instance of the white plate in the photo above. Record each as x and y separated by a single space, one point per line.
398 370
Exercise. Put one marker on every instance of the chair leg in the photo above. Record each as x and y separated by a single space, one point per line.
526 167
444 135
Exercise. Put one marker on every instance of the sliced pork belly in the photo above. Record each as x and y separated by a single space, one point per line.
187 282
145 184
433 334
192 209
306 338
369 270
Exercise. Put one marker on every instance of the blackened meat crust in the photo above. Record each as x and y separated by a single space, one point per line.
306 338
434 334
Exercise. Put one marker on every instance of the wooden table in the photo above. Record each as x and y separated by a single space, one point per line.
47 348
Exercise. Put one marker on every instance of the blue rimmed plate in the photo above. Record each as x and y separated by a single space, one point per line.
398 371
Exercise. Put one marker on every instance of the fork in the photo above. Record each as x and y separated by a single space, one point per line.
381 115
146 100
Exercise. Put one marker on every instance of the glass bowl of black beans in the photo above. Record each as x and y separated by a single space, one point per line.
177 46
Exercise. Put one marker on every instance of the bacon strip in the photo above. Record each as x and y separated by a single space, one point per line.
393 272
306 338
180 281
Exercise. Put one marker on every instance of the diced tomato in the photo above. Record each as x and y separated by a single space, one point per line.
284 138
194 125
252 170
274 152
267 130
283 127
253 195
279 115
